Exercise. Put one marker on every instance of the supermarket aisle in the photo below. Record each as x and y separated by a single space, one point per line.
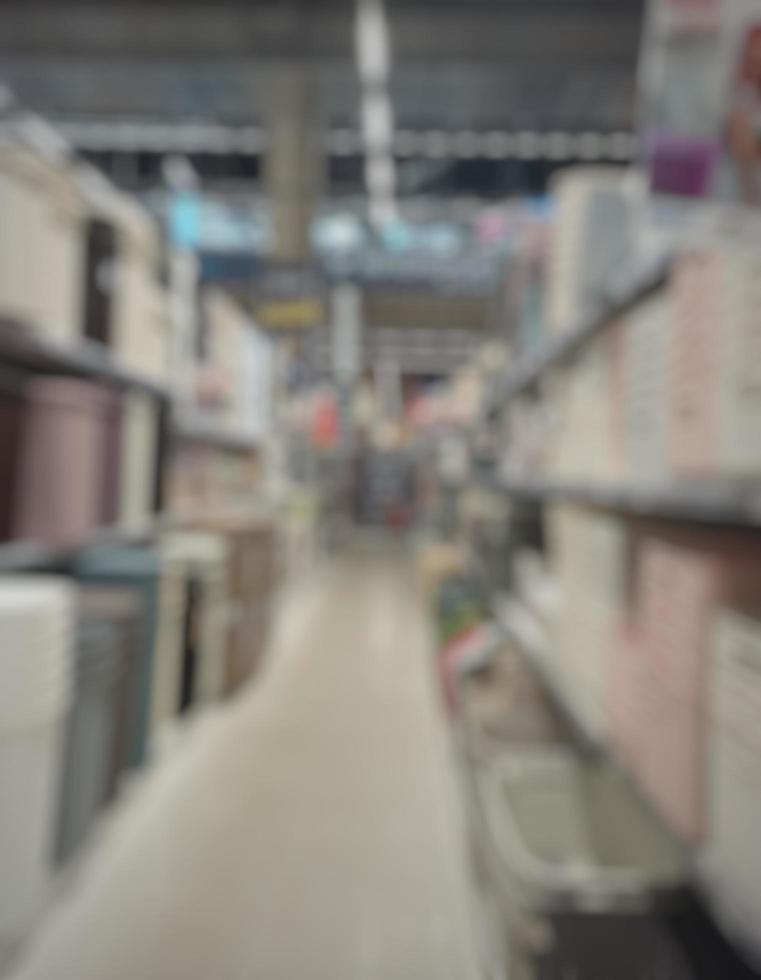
310 831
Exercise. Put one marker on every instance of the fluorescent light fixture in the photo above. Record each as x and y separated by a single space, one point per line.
590 146
436 144
372 41
377 123
374 65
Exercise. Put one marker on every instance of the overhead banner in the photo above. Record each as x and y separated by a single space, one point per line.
701 99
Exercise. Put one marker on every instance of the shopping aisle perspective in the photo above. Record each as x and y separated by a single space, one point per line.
308 829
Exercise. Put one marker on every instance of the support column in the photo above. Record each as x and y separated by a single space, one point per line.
294 175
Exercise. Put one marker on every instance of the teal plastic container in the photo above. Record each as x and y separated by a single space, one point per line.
137 568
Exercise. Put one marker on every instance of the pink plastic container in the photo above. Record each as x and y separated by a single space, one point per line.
694 384
672 768
63 457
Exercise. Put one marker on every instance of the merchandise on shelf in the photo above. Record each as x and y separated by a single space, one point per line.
108 648
139 570
37 618
589 560
204 558
716 383
66 485
139 459
735 785
41 254
126 308
594 237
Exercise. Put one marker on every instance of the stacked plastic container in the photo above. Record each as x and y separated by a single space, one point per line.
740 379
646 343
170 644
68 450
593 238
680 586
37 623
133 315
204 558
252 581
139 570
590 555
12 404
138 477
108 648
41 253
695 365
735 787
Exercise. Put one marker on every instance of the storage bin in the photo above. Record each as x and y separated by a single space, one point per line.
138 462
252 542
12 405
64 454
111 474
170 643
139 570
205 559
248 637
108 646
647 340
41 243
36 659
735 776
127 308
564 836
732 847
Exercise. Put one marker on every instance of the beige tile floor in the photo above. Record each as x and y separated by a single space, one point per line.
310 830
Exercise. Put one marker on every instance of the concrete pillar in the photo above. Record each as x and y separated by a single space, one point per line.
294 174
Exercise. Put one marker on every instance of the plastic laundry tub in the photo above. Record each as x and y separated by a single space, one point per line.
107 637
569 837
137 569
37 625
63 457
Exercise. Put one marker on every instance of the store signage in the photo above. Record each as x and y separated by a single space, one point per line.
289 297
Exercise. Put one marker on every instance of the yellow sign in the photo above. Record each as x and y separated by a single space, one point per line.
290 314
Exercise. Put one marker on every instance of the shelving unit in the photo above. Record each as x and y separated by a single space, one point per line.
25 347
562 348
519 626
35 556
733 508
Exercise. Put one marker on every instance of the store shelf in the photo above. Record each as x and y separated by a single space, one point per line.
208 432
28 348
522 629
559 349
732 507
36 556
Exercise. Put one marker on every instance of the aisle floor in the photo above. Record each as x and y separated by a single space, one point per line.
309 830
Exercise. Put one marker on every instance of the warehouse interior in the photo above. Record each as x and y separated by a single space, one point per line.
380 490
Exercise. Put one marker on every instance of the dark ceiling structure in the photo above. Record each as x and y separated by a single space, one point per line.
112 70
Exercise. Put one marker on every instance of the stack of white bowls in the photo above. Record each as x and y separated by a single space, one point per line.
37 622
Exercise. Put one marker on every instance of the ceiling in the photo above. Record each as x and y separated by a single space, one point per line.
476 64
